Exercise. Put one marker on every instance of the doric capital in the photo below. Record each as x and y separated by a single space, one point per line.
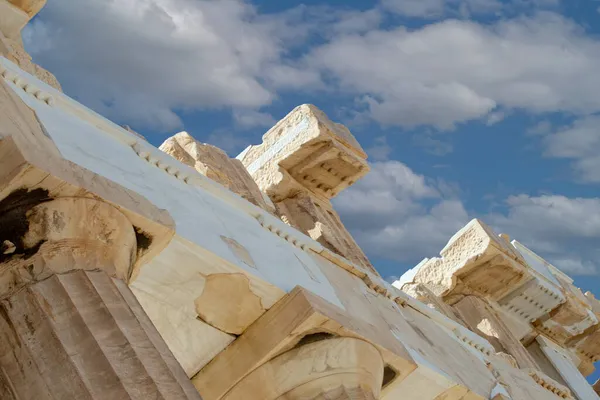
350 369
41 237
51 208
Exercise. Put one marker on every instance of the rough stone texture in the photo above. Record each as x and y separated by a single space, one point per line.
481 319
228 303
31 7
498 287
14 15
82 335
337 368
303 162
344 393
305 151
474 260
319 220
214 163
70 327
426 296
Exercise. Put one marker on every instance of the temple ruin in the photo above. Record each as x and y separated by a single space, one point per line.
133 272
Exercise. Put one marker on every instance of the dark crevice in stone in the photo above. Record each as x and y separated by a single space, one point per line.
389 374
314 337
143 240
14 224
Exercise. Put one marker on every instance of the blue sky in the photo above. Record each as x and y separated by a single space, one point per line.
467 108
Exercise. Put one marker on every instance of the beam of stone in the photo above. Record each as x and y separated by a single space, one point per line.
481 319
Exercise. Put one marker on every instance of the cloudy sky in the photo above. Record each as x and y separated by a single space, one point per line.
467 108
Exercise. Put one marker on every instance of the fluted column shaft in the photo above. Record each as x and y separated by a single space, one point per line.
69 328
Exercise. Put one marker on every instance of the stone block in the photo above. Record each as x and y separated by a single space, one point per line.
305 151
214 163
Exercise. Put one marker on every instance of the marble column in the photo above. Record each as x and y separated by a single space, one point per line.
70 328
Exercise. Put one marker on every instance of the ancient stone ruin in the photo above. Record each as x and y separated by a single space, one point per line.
127 272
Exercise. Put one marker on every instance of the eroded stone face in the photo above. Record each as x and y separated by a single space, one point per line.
305 151
214 163
303 162
14 15
524 290
475 260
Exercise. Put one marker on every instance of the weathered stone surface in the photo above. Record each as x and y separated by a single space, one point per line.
228 303
338 368
31 7
82 335
214 163
420 292
303 162
318 219
14 15
482 319
305 151
474 260
70 326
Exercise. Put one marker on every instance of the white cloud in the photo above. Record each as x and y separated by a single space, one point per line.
563 230
380 150
252 118
396 214
141 61
495 117
541 128
455 71
581 143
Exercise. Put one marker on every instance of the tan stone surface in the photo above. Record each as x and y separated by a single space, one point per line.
14 15
482 319
214 163
31 7
20 122
56 236
303 162
69 329
298 314
420 292
574 323
12 20
315 370
42 172
228 303
82 335
319 220
474 260
69 325
305 151
520 385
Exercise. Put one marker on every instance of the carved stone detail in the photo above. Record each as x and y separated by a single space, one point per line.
340 368
303 162
214 163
